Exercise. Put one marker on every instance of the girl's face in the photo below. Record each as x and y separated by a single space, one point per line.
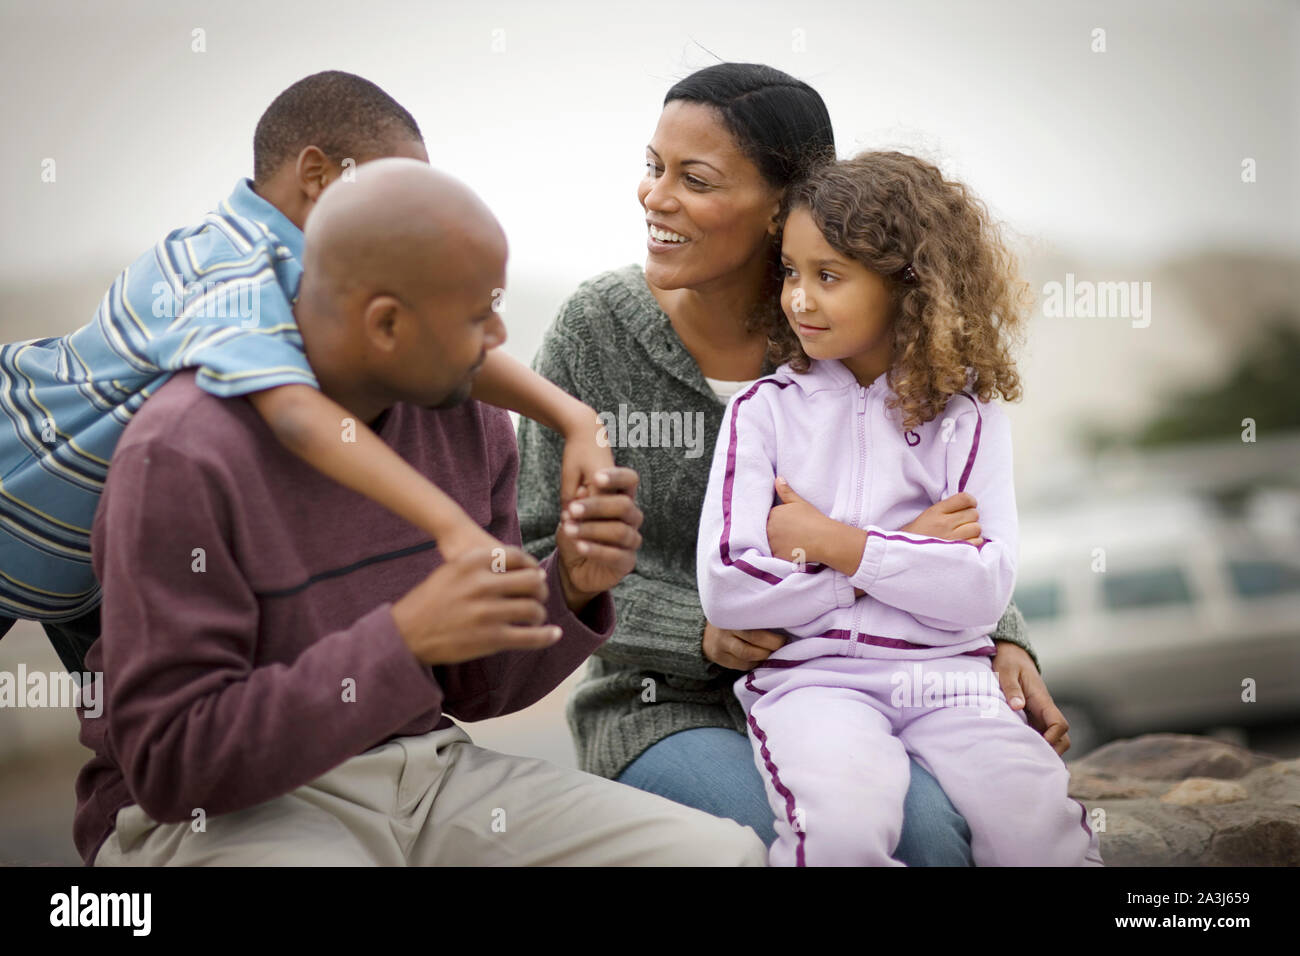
709 212
838 307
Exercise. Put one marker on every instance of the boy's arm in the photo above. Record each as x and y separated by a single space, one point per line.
508 383
742 585
949 584
314 427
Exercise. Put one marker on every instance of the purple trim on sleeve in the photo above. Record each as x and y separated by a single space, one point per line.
975 445
903 537
724 546
777 785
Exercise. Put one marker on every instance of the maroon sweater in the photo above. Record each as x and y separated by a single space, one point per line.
226 668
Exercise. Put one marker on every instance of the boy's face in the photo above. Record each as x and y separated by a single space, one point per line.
838 307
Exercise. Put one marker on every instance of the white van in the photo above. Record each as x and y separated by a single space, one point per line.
1156 615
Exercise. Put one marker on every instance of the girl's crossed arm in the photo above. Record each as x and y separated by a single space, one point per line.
742 585
945 584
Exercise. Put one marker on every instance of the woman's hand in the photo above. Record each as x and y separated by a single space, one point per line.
1024 689
739 650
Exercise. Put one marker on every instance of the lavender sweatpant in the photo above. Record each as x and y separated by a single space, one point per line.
831 738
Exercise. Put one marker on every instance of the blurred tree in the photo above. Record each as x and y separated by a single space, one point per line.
1263 384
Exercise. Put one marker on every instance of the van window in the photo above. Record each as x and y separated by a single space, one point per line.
1151 587
1039 600
1262 577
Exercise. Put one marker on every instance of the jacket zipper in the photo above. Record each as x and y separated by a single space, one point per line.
861 438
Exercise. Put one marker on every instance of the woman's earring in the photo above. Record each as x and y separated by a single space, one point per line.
907 275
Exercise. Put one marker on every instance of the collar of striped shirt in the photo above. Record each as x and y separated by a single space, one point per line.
248 204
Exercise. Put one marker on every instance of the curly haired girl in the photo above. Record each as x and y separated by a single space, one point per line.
901 305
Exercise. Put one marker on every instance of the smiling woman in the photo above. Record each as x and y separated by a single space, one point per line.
656 709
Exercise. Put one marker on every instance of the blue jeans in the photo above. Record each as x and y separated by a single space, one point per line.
712 769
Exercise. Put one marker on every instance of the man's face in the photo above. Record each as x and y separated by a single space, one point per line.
452 331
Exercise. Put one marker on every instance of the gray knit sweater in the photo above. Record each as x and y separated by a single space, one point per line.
612 345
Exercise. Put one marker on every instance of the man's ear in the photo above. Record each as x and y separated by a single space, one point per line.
380 322
314 172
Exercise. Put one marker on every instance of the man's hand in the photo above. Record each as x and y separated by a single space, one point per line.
953 519
586 454
1024 688
739 650
598 537
476 604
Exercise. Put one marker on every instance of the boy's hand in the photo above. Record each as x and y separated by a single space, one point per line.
598 537
466 537
952 519
586 454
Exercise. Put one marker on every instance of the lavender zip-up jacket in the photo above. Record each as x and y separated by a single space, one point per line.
840 449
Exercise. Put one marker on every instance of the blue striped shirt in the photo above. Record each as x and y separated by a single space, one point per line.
217 296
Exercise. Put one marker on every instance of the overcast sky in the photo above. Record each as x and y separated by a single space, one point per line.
1101 163
545 109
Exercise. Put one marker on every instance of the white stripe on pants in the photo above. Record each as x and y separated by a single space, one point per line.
831 738
440 800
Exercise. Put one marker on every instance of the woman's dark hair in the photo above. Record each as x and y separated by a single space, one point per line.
779 122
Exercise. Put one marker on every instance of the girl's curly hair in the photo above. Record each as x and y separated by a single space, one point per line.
960 308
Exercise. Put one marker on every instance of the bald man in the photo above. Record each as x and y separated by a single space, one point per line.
282 657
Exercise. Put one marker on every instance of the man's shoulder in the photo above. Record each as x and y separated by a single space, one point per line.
183 417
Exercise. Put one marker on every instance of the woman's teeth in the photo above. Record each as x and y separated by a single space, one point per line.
663 235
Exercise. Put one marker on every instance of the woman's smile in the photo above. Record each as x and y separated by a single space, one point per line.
660 239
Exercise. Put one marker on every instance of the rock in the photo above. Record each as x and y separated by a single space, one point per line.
1200 790
1128 841
1280 782
1180 800
1247 835
1171 757
1096 787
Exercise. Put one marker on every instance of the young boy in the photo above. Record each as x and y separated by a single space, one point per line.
219 297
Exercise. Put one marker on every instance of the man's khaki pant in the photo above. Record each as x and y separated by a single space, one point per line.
439 800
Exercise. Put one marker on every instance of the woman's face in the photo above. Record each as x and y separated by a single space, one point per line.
709 211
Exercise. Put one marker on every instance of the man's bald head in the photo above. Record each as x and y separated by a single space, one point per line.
400 227
403 267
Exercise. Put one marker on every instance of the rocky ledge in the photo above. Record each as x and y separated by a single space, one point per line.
1180 800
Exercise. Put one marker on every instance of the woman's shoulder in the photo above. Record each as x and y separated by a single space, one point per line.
616 295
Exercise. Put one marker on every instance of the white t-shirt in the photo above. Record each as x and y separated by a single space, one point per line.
724 389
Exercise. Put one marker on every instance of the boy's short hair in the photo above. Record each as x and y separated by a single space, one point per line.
342 114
